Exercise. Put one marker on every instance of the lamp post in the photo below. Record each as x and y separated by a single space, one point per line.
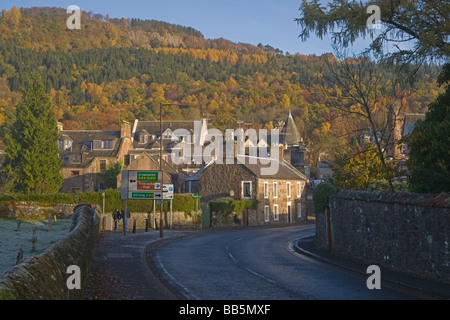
161 105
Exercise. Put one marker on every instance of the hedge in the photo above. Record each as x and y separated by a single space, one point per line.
181 202
229 205
321 196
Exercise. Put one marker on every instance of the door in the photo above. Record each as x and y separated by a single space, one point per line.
289 212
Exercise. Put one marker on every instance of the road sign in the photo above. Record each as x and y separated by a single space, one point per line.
168 191
196 195
144 195
141 184
149 185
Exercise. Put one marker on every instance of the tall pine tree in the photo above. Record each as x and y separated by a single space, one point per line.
32 156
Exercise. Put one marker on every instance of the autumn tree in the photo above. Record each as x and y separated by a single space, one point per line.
375 101
358 171
423 24
32 156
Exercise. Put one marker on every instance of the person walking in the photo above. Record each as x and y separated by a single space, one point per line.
116 217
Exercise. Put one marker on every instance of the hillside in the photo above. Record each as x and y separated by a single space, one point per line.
127 67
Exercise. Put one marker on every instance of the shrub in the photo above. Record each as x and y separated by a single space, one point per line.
321 196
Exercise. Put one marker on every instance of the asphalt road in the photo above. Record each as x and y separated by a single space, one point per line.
257 264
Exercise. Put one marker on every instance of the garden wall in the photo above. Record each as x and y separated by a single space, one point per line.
44 277
404 232
176 220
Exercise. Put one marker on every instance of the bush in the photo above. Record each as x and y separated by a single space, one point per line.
229 205
321 196
181 202
383 185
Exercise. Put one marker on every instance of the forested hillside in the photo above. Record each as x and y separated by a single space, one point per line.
127 67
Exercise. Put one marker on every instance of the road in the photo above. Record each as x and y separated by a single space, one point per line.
257 264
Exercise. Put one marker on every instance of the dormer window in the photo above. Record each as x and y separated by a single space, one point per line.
65 143
142 136
107 144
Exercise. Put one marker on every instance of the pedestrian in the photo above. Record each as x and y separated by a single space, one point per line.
116 217
127 217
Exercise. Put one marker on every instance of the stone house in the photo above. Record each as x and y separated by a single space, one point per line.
281 194
87 153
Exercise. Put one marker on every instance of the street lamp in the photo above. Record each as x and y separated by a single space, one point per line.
161 105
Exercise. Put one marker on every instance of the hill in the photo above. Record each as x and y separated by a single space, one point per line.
127 67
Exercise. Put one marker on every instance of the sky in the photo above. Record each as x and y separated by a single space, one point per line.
247 21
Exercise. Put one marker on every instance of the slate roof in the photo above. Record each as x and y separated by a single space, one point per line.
82 144
153 129
283 170
410 122
289 133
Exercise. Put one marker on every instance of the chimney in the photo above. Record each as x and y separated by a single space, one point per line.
125 130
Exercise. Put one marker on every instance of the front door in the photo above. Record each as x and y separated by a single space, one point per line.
289 212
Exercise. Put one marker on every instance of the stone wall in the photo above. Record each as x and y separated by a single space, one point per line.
44 277
404 232
33 210
178 220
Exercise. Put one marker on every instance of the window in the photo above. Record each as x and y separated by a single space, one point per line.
107 144
266 190
76 157
299 190
61 144
275 190
246 189
75 173
275 212
299 210
266 213
288 189
102 166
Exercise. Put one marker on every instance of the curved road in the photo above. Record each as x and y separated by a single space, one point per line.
256 264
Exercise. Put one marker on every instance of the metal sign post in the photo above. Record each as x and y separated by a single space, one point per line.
140 185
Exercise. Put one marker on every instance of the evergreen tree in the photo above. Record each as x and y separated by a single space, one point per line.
32 156
429 157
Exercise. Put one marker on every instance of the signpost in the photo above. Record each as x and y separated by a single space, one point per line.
141 185
167 191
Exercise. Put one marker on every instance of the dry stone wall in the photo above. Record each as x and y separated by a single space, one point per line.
44 277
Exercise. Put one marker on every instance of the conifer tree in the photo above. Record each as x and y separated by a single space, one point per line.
429 144
32 156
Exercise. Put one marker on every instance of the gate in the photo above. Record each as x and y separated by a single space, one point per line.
206 217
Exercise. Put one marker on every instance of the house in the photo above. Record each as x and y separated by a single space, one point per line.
144 161
87 153
146 137
409 123
280 192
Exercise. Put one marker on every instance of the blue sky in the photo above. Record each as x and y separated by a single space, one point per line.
248 21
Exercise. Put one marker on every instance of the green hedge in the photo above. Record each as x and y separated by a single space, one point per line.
321 196
229 205
181 202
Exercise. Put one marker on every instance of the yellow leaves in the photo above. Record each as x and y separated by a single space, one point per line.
12 16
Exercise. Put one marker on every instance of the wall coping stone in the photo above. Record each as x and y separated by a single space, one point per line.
441 200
